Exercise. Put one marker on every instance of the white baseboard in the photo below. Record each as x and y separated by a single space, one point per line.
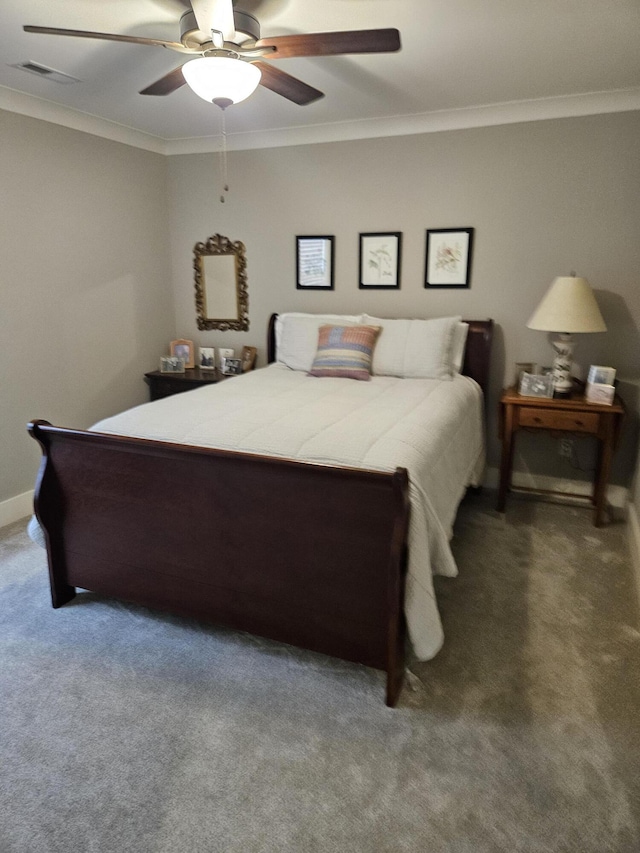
16 508
617 496
633 532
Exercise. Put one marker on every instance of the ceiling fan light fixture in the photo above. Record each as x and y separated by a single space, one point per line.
221 78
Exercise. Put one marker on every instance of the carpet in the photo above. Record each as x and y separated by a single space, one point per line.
131 731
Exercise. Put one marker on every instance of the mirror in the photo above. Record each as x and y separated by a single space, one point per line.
222 298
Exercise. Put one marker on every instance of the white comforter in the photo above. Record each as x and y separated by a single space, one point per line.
433 428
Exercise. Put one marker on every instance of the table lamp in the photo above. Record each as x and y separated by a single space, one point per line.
568 306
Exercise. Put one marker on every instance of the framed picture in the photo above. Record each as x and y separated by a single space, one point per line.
523 367
380 260
536 385
207 358
231 366
224 352
314 262
248 358
599 375
171 364
448 257
599 392
183 349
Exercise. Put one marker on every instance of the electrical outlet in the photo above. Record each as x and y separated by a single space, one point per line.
565 448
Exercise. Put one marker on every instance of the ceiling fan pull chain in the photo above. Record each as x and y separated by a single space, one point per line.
223 157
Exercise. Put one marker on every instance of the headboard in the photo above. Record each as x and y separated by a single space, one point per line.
477 354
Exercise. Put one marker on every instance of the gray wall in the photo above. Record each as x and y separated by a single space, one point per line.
85 298
545 198
97 239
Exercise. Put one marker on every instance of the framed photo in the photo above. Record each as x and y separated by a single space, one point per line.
224 352
207 358
171 364
599 392
183 349
536 385
248 358
523 367
380 260
231 366
599 375
448 257
315 263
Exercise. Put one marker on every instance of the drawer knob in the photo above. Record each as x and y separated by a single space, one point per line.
538 420
578 423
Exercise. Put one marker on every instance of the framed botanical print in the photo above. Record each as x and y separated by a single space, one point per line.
448 257
380 260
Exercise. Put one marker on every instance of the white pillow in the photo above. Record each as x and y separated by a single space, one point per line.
297 336
459 343
415 349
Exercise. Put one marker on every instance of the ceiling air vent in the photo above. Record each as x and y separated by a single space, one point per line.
43 71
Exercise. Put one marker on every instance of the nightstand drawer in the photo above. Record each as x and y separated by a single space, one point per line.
569 421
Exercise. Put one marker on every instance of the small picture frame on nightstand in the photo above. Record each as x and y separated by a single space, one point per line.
171 364
225 352
183 349
231 366
523 367
599 392
601 375
207 358
248 358
536 385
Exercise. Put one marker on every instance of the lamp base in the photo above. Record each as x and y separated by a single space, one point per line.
562 381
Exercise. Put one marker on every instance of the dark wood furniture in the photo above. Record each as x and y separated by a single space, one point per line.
561 416
166 384
316 557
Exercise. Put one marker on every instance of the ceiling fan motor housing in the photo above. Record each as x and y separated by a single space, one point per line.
247 29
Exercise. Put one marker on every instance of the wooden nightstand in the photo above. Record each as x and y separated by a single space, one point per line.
574 415
166 384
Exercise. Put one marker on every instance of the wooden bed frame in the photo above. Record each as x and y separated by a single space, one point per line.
306 554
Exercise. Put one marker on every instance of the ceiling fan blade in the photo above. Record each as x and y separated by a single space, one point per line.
289 87
172 45
215 15
331 44
167 84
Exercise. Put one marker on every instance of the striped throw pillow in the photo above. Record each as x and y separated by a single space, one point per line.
345 351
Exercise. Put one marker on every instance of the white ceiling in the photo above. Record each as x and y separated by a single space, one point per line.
462 63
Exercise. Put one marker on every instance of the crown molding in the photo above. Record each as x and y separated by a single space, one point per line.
488 115
34 107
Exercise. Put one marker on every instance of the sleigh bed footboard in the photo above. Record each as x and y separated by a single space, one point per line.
305 554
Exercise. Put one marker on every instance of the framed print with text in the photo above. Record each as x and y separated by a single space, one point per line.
314 261
448 257
380 260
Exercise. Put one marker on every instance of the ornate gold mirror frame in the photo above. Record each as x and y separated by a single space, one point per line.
222 296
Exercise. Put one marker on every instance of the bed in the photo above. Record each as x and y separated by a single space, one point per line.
302 509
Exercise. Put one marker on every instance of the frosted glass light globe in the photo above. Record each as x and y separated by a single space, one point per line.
221 78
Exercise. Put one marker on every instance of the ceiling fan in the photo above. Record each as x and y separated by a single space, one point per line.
229 44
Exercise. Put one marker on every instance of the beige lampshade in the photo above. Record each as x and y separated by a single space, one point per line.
568 306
